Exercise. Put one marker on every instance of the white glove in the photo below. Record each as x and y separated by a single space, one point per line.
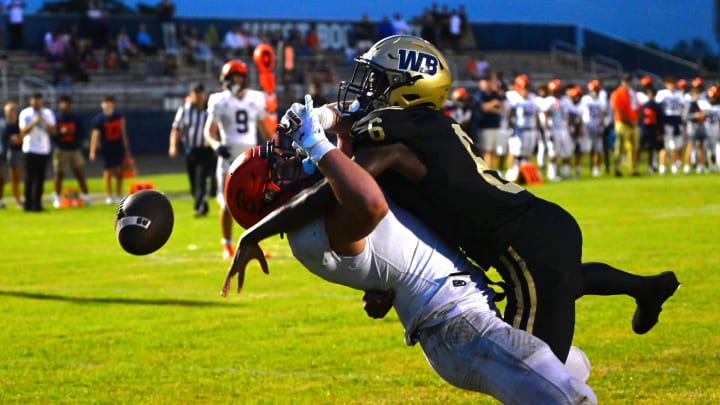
310 135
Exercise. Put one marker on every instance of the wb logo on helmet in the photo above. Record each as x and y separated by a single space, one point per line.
420 62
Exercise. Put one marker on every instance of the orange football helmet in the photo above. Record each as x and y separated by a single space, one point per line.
713 92
554 85
593 85
458 94
521 82
260 180
231 68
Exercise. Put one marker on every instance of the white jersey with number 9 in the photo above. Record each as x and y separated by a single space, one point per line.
235 117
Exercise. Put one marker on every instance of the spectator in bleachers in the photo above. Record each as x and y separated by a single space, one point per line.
455 30
235 43
400 26
125 46
97 23
15 10
112 56
385 28
428 31
196 47
365 33
442 19
312 41
166 17
88 59
144 42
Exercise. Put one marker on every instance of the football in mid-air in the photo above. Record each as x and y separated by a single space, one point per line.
144 222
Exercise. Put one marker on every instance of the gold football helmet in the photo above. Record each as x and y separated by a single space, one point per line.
398 71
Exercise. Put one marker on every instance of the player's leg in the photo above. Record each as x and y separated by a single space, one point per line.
649 292
107 183
39 183
542 280
77 163
190 165
58 174
118 174
15 176
2 181
205 164
477 351
224 216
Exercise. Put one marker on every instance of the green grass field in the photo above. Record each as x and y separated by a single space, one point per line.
83 322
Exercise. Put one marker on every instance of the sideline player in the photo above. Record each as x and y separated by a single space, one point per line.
496 223
108 127
672 100
237 114
593 107
367 243
68 151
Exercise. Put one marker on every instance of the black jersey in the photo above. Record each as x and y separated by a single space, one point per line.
460 198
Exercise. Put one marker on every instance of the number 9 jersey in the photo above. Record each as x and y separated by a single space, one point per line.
237 118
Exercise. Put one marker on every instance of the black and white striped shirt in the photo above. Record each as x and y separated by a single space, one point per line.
190 120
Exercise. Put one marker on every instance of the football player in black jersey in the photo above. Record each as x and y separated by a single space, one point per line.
396 93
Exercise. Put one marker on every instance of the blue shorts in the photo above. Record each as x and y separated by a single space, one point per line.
113 159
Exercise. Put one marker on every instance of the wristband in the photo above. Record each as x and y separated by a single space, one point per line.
319 149
325 116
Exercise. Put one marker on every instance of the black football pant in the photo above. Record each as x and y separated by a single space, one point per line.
35 170
542 271
201 163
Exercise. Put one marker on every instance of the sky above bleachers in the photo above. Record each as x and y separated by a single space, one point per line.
661 21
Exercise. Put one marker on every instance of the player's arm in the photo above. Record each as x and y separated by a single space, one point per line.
93 143
174 136
210 134
49 123
26 128
175 132
126 143
322 198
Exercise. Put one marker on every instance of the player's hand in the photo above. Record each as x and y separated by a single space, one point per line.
291 121
378 303
244 254
223 152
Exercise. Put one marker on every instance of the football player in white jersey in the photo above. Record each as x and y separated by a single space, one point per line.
673 102
525 121
235 115
367 243
593 109
555 111
711 109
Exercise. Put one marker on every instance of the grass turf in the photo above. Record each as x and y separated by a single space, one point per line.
84 322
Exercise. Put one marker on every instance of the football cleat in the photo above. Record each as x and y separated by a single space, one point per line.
648 310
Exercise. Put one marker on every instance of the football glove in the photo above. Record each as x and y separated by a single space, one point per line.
303 126
223 152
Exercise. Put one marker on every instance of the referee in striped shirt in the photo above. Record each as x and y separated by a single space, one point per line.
187 127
